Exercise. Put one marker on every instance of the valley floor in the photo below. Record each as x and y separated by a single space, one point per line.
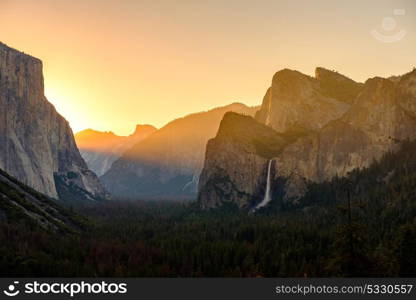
172 240
363 225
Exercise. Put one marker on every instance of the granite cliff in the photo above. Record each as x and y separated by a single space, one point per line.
236 162
332 126
36 143
299 101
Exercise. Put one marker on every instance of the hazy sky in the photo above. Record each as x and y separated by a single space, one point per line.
110 64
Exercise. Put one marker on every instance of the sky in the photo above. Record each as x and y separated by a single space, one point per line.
112 64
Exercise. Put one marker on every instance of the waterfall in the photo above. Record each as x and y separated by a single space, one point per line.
267 196
194 180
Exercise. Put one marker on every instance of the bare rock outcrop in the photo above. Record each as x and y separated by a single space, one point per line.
297 101
378 120
36 143
332 125
236 162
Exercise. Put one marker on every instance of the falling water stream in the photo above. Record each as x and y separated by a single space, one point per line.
267 196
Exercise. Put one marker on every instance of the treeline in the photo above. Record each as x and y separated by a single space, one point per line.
362 225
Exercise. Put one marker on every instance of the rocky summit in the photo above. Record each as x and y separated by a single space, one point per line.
36 143
298 101
331 125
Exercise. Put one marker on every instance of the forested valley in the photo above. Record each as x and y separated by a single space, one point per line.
363 225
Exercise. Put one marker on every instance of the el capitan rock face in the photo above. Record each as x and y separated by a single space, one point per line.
324 141
101 149
168 162
37 144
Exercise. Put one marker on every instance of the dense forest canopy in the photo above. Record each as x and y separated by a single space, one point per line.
360 225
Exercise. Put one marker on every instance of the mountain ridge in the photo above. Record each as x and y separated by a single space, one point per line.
168 162
298 100
100 149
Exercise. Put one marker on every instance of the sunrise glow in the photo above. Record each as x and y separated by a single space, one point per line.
109 65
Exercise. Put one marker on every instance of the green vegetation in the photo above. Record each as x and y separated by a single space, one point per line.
21 204
268 148
362 225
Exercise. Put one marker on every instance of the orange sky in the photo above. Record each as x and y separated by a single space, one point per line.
110 64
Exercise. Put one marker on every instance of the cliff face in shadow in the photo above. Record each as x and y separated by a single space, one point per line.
333 126
36 143
236 162
19 202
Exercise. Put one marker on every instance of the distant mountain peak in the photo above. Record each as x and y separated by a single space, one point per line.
92 132
100 149
169 161
236 104
143 129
